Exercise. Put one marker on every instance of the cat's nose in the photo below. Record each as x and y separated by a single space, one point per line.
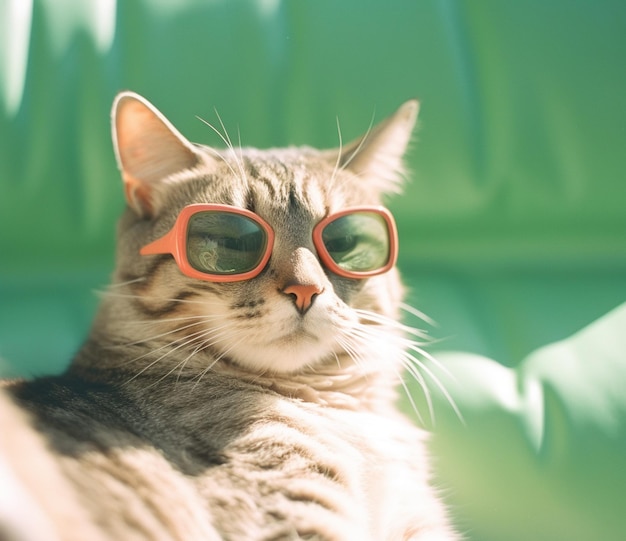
303 294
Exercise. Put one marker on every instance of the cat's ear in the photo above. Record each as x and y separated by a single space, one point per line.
148 149
377 155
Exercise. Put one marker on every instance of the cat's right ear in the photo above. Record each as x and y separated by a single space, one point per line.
148 149
376 157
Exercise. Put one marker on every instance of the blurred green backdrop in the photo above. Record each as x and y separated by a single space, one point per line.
512 228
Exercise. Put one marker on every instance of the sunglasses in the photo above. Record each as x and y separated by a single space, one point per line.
220 243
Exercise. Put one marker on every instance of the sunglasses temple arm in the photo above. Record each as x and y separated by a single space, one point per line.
165 245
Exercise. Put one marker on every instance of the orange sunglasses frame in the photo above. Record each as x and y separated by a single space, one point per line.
328 261
174 242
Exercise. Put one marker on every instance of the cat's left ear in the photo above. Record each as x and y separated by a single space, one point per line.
148 149
376 157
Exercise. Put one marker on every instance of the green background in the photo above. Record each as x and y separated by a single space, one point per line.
512 228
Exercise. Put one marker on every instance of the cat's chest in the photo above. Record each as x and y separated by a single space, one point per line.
273 456
223 432
225 425
244 458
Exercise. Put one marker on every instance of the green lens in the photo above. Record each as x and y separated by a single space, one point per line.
358 242
221 242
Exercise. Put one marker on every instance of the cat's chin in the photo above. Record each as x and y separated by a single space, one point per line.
276 360
290 354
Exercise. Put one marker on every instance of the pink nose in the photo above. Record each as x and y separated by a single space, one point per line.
303 295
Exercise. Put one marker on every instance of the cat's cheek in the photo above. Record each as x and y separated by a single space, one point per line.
346 289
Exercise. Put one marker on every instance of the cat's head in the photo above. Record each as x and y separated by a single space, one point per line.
286 308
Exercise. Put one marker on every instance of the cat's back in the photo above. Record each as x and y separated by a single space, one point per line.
82 443
129 462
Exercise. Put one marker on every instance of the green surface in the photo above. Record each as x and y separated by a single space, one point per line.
512 229
540 451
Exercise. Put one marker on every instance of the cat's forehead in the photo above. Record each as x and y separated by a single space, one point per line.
298 183
289 179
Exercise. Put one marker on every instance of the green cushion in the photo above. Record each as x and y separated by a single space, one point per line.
512 230
538 450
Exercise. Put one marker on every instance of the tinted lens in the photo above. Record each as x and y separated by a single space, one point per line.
358 242
224 243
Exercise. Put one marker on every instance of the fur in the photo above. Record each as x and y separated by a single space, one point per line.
201 410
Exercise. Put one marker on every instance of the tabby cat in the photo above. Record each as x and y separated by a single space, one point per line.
239 379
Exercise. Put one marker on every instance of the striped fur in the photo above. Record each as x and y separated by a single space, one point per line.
201 411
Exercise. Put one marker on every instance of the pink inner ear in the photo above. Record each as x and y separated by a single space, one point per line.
149 150
137 196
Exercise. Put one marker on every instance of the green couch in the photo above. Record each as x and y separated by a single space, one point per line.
512 230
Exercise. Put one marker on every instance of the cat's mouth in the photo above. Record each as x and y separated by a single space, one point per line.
288 352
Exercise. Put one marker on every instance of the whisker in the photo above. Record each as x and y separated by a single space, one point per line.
127 283
360 145
388 322
215 361
337 168
164 346
337 359
440 386
240 152
413 365
408 364
216 152
414 407
195 337
415 347
366 334
152 322
157 336
229 143
347 343
418 314
407 351
181 364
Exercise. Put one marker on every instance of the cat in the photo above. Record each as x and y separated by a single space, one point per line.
239 379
